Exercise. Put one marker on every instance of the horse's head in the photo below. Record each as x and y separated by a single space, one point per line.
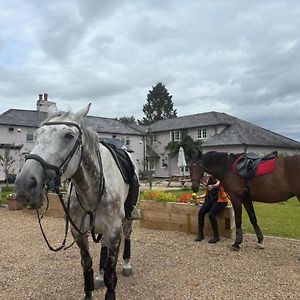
55 155
196 172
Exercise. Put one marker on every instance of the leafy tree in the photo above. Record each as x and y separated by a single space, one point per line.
7 159
190 146
128 120
159 105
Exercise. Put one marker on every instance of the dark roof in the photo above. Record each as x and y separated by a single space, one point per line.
34 118
190 121
236 131
19 117
109 125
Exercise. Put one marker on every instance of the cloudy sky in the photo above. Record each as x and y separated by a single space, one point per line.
237 57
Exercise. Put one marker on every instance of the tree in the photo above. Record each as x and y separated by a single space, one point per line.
127 120
7 160
190 146
159 105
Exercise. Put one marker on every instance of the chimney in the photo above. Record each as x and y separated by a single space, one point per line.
44 105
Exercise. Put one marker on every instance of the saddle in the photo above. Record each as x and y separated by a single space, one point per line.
127 170
249 165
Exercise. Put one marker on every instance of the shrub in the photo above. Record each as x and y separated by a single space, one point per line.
157 195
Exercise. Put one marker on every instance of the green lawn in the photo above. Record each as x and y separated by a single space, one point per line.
276 219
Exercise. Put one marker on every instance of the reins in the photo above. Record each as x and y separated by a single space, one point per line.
57 180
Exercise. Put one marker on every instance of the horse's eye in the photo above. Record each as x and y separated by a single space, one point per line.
69 135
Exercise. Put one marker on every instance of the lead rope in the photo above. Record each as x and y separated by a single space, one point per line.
63 244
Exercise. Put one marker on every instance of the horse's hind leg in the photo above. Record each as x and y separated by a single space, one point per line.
86 263
127 228
251 213
110 275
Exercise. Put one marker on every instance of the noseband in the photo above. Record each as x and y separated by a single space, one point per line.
64 165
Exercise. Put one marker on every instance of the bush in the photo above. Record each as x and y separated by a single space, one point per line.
159 196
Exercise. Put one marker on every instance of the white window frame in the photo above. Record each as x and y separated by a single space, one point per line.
201 133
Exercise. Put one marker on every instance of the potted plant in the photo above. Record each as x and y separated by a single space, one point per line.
13 204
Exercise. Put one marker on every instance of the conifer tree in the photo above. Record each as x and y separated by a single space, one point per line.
159 105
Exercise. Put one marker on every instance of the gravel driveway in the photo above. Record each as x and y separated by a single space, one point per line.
167 265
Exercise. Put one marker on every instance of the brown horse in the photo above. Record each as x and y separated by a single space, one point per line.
278 186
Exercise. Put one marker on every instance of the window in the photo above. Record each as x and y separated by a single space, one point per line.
30 135
201 133
127 141
175 136
163 162
154 138
150 165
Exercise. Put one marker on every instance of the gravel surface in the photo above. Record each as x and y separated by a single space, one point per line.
167 265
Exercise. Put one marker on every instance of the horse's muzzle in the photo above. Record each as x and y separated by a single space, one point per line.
195 186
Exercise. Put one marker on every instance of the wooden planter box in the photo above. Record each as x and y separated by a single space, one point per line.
183 217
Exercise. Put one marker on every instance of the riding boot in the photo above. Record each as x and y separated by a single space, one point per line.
200 235
214 226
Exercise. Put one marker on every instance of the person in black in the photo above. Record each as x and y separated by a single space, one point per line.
213 205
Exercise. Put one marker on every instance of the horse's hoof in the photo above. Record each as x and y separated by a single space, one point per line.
110 295
260 245
127 271
99 282
235 247
88 298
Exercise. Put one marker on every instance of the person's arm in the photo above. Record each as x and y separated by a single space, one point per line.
213 186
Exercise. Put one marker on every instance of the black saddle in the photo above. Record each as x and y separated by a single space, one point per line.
127 170
247 163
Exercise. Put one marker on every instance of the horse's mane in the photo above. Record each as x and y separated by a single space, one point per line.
214 157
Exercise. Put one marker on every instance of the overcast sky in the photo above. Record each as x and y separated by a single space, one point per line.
237 57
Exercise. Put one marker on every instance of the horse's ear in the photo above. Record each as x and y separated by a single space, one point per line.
83 112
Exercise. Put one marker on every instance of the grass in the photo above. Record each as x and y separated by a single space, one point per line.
276 219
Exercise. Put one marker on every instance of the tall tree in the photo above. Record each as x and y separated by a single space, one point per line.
159 105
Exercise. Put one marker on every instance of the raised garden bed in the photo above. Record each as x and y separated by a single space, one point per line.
183 217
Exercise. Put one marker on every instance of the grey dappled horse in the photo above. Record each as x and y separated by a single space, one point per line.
64 149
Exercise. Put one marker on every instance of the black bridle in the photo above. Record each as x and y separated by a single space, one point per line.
59 171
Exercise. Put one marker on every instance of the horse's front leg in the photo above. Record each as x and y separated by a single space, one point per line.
86 263
237 207
110 275
251 213
127 229
99 280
